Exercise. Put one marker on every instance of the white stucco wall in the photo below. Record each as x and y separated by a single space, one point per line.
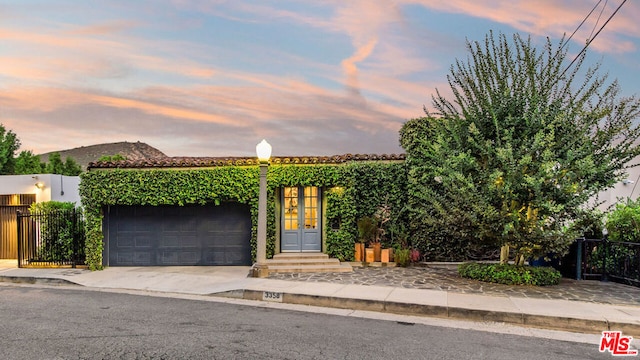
56 187
629 188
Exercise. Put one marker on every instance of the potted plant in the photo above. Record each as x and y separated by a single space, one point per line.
381 216
367 230
397 240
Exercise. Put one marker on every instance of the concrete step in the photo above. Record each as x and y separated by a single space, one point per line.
299 255
310 268
306 262
302 262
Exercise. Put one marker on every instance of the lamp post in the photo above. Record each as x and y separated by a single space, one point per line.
263 150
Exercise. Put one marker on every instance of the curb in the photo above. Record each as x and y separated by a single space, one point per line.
570 324
35 280
514 318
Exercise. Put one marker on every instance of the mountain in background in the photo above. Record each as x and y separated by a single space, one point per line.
85 154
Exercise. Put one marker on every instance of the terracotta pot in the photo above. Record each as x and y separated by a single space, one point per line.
376 250
369 255
386 255
358 255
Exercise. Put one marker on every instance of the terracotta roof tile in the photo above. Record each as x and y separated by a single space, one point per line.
184 162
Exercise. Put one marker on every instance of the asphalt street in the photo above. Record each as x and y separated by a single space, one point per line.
40 322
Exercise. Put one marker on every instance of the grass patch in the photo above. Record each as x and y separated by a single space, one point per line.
510 274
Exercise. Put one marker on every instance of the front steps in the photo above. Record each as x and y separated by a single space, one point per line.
305 262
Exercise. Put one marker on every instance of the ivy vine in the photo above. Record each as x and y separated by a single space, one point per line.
352 190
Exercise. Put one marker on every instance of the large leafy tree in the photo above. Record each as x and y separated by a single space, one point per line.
71 167
9 144
519 147
68 167
28 163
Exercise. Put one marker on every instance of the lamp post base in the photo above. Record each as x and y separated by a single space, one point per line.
259 270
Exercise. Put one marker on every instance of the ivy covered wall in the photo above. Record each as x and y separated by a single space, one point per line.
351 190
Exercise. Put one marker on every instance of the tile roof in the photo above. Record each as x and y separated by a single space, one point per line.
188 162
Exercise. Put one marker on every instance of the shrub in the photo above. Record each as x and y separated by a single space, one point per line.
414 255
623 223
589 223
510 274
402 257
61 228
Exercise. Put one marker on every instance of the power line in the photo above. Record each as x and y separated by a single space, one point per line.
582 23
589 41
599 16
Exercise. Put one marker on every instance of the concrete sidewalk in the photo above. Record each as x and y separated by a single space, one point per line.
577 316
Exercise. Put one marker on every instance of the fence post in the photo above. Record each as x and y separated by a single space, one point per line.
19 223
74 244
605 244
579 259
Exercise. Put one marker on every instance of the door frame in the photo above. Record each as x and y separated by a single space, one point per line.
319 205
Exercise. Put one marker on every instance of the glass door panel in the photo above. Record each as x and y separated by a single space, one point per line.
310 207
291 208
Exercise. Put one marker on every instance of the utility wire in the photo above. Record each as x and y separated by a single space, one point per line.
599 16
589 41
582 23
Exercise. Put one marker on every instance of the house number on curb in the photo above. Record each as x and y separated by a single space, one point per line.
272 296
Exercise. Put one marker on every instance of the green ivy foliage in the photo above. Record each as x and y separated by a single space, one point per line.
352 190
341 216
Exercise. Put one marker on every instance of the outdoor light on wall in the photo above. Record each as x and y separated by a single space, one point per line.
39 184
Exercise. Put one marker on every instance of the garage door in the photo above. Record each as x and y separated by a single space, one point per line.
178 235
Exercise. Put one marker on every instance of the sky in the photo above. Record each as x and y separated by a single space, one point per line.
214 77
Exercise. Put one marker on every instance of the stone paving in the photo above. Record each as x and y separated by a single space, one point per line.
447 279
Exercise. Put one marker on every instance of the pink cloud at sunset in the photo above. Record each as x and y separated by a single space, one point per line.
213 78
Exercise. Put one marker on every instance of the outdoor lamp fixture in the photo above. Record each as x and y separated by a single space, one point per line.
263 150
38 184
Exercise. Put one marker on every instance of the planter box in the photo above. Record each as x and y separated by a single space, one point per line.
376 251
369 255
358 254
386 255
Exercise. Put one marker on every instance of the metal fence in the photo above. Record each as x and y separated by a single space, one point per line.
51 238
608 260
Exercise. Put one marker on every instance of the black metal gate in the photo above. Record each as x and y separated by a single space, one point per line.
608 260
51 238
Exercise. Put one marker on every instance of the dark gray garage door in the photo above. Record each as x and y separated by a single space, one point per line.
178 235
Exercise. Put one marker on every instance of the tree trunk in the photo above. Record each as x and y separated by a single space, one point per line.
504 254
